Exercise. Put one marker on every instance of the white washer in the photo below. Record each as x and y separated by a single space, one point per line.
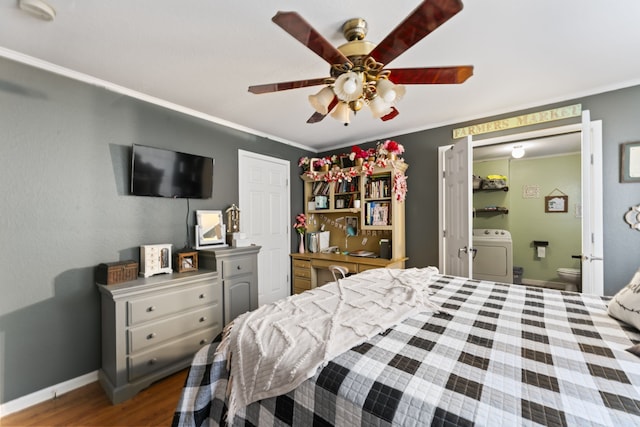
493 259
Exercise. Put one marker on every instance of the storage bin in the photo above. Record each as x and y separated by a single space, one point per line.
493 184
517 275
477 182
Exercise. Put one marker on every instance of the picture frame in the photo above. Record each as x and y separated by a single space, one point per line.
351 226
186 261
556 204
630 162
346 162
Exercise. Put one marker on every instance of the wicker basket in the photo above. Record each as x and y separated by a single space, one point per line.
116 272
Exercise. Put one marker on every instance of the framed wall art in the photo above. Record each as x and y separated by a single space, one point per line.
556 204
630 162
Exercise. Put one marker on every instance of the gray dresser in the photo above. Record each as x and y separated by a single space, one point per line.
238 270
152 327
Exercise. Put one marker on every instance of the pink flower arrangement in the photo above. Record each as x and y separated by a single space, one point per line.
318 163
301 223
392 147
358 153
303 162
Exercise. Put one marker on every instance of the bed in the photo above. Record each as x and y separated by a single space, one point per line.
477 353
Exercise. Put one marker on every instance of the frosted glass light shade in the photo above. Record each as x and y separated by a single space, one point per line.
342 113
348 86
321 100
378 107
388 91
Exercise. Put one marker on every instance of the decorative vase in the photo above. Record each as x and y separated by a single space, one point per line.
301 246
372 159
324 168
359 161
392 156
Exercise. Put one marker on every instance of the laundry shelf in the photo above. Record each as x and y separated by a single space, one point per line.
496 210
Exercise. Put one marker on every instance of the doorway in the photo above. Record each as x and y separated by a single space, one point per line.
591 179
264 195
542 241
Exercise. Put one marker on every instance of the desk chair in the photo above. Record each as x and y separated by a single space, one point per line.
338 269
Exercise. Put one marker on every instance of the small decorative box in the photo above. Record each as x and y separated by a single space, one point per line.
155 259
116 272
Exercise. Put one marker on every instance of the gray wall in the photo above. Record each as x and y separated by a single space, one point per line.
64 171
64 175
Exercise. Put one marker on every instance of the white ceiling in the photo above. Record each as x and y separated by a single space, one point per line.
200 56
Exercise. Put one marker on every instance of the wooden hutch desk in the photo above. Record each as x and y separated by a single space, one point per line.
312 269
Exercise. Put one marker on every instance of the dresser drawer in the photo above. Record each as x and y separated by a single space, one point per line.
301 263
142 337
154 307
142 364
235 267
300 285
302 272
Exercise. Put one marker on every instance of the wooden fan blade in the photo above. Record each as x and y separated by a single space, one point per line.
394 112
302 31
422 21
275 87
318 117
431 75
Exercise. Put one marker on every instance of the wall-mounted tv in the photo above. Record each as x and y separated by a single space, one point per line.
165 173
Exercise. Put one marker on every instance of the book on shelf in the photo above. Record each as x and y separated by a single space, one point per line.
378 187
377 213
320 188
345 186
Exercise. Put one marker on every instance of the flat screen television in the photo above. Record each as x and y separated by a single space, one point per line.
165 173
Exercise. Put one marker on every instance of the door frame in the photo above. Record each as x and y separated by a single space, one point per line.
592 261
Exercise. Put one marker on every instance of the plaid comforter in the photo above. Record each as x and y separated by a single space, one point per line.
497 355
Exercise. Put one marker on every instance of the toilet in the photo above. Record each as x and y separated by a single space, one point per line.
570 276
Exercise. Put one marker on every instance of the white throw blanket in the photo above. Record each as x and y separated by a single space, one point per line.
278 346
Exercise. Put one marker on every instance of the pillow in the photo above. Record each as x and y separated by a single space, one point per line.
625 305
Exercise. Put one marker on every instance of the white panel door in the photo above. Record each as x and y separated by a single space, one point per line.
592 250
457 203
263 184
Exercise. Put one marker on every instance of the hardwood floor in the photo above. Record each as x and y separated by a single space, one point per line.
89 406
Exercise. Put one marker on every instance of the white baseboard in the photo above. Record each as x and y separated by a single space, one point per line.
43 395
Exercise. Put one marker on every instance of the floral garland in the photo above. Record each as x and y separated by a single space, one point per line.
377 158
400 186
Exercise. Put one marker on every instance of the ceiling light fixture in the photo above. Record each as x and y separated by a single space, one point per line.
38 8
359 83
517 152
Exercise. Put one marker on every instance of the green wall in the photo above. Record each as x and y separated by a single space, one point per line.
527 220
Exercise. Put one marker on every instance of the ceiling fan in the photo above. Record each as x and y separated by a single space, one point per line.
358 76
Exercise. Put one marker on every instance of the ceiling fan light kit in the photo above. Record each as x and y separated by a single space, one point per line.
38 8
358 76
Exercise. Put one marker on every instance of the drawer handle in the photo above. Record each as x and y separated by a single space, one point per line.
153 361
239 268
152 308
203 342
202 319
201 296
151 336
